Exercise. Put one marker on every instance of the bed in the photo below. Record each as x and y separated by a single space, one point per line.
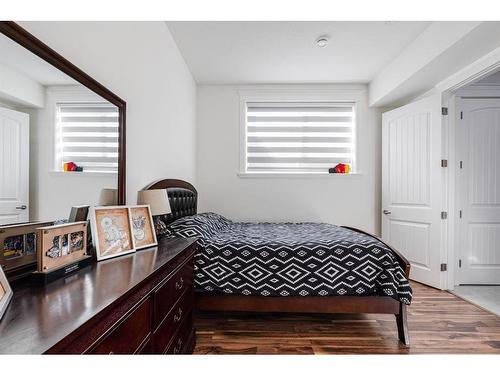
288 267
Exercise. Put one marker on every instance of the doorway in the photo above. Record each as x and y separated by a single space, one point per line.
422 174
477 192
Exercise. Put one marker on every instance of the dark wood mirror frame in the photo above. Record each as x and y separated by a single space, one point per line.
31 43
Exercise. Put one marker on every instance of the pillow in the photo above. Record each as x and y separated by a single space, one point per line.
217 221
202 226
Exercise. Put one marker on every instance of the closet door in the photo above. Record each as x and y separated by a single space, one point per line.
14 166
478 188
411 186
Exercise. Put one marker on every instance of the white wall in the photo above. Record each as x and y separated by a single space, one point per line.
140 62
17 89
442 49
347 200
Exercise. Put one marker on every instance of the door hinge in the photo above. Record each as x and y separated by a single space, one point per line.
444 267
460 214
461 115
460 263
461 164
444 215
444 163
444 111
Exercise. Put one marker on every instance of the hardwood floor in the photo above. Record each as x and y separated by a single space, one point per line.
439 322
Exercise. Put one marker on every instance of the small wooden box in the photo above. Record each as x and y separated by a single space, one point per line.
62 246
18 248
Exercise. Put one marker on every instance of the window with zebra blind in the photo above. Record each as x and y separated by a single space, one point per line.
299 137
87 135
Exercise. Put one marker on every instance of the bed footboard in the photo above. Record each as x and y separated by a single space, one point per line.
402 323
401 316
403 262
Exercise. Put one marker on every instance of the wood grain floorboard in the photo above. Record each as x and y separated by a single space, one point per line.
439 322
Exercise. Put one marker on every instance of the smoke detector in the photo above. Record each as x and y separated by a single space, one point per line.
322 41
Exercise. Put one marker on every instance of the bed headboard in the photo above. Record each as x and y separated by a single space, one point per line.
182 196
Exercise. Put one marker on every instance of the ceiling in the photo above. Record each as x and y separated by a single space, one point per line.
26 63
286 52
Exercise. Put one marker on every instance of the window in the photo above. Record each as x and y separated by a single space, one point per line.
298 137
87 135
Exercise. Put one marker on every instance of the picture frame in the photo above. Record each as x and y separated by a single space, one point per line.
60 246
18 248
143 230
5 293
78 213
81 213
111 231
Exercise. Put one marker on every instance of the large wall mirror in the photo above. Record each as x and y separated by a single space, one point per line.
54 118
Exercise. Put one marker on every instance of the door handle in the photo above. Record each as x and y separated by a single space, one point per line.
387 212
23 207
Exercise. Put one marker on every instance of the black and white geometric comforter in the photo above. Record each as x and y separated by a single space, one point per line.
290 259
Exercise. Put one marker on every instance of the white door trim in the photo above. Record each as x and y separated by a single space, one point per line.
448 88
474 72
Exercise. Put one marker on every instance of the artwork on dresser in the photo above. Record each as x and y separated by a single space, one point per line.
5 293
61 245
18 245
111 231
142 226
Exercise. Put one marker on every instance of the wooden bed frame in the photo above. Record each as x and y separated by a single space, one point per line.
183 200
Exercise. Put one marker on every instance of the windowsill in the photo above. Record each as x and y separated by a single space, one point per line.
83 174
300 175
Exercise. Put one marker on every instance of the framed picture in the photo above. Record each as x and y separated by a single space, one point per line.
143 231
111 231
81 213
61 245
18 246
5 293
78 213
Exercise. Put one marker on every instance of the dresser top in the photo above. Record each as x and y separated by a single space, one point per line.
39 316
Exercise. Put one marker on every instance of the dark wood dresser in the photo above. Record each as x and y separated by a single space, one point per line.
139 303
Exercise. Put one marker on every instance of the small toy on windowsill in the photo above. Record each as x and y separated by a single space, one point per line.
340 168
72 167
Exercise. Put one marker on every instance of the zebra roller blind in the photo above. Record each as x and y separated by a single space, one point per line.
299 137
87 135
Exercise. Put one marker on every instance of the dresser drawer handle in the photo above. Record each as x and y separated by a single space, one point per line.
179 284
177 317
178 347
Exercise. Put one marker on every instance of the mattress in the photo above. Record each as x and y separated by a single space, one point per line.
290 259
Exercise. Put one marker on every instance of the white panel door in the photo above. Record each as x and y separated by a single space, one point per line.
14 166
411 186
479 191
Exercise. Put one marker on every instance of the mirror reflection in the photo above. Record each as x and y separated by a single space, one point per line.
58 140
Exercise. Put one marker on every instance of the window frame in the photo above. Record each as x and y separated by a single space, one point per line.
68 95
351 95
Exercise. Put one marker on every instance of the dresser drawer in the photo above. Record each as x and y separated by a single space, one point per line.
173 321
170 291
146 347
129 334
182 337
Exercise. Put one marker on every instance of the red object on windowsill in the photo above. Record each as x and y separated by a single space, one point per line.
72 167
340 168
